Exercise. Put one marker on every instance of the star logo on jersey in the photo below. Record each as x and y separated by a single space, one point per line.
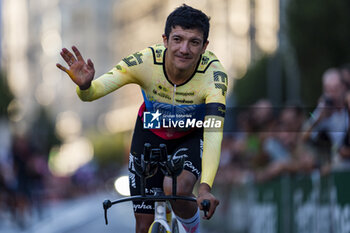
151 120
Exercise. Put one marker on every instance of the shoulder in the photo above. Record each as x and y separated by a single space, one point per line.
209 61
211 67
157 52
138 57
216 76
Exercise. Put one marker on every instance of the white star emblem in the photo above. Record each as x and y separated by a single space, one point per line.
156 115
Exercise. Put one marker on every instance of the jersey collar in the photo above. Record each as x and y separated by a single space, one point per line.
166 75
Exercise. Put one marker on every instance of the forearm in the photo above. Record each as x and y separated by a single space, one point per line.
105 84
93 92
211 153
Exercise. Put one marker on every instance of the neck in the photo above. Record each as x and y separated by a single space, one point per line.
175 75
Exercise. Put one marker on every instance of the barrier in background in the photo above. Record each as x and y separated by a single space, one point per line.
288 204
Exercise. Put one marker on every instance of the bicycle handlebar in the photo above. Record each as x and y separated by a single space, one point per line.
108 204
147 167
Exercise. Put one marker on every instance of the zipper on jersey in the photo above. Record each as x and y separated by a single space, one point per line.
173 107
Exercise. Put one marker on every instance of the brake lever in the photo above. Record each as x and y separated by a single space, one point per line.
206 206
106 205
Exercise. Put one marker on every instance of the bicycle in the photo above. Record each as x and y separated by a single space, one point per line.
146 166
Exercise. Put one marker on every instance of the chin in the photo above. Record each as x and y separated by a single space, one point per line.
183 68
183 65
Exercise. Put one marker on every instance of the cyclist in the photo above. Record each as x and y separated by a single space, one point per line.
178 80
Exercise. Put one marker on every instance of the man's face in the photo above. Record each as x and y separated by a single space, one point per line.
184 47
333 88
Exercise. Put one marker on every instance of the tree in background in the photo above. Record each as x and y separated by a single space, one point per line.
253 85
318 33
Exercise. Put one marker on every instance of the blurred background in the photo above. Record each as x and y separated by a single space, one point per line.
286 149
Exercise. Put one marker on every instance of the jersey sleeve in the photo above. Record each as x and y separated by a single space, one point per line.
127 71
215 109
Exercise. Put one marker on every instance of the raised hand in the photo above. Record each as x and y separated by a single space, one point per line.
79 71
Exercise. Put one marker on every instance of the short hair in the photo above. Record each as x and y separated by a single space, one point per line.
330 73
188 18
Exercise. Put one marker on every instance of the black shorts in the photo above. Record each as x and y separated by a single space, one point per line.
190 146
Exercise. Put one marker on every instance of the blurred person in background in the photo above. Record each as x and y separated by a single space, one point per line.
7 195
256 124
345 72
243 151
285 150
27 186
7 174
227 171
21 152
178 76
344 149
38 172
261 121
330 118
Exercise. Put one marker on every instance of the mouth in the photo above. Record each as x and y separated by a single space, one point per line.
183 58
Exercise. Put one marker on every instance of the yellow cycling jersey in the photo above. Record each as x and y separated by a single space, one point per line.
200 97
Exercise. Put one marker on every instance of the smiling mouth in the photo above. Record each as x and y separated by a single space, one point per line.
183 58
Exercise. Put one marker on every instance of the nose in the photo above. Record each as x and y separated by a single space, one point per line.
184 47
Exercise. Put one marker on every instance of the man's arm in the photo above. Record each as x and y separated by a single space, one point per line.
212 137
312 125
210 162
82 74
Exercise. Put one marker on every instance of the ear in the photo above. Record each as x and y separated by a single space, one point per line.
165 41
205 46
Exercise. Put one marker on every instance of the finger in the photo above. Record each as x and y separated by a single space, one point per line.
77 54
69 60
65 57
90 63
211 212
213 204
66 70
62 68
70 56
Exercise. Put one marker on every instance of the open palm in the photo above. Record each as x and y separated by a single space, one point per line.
79 71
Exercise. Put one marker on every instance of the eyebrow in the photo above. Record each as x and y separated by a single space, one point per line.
191 38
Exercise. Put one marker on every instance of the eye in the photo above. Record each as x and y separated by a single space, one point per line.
176 39
195 42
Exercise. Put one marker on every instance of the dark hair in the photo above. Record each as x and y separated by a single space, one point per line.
188 18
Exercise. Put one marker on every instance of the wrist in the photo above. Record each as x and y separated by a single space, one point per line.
85 86
204 188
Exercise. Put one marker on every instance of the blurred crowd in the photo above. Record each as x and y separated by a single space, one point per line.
27 185
22 174
271 141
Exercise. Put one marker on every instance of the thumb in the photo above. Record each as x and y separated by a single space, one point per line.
70 74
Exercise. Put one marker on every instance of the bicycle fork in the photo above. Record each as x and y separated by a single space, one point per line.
160 215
